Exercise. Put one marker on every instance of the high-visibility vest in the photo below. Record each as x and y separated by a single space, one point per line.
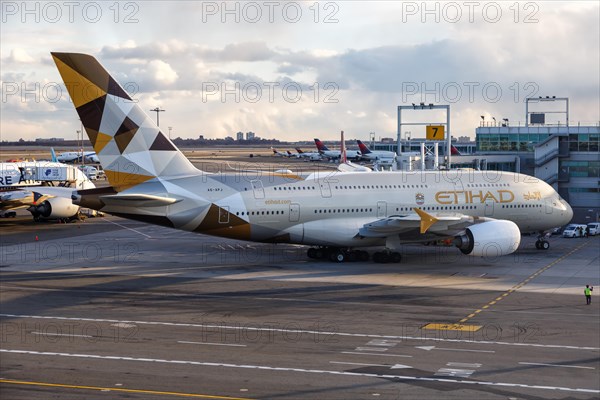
587 291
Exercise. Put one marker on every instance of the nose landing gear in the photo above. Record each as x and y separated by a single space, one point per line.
541 242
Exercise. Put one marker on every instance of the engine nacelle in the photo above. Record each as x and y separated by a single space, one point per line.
55 208
490 239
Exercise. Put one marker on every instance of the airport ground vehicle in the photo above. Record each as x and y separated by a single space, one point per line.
573 230
593 228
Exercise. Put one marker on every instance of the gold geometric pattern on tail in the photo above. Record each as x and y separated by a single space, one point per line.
81 90
101 141
120 180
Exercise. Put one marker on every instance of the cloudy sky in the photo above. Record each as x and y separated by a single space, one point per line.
297 70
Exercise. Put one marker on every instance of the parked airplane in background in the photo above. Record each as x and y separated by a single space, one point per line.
336 212
311 155
30 184
280 154
374 155
70 157
89 171
335 154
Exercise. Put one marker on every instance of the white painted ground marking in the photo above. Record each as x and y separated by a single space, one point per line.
454 372
429 348
212 344
313 332
131 229
370 349
59 334
400 366
556 365
395 366
467 365
381 342
301 370
375 354
363 364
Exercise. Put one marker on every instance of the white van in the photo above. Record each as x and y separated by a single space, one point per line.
89 171
572 230
593 228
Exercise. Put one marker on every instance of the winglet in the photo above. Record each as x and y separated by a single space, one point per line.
426 219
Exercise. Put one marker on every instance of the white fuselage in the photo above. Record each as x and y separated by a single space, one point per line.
329 208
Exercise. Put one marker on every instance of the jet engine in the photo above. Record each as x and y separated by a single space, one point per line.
56 207
489 239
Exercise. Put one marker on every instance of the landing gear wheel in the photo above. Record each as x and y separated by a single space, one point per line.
542 245
337 256
396 257
312 253
319 254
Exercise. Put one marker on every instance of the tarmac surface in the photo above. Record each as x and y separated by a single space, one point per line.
111 308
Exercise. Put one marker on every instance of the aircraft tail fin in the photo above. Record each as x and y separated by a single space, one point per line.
54 159
454 151
363 148
320 145
129 145
299 150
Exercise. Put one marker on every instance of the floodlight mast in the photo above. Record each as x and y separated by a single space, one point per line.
157 110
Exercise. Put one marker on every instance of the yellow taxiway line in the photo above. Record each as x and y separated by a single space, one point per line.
460 326
120 390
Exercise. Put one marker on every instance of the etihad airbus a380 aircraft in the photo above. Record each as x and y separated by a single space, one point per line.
337 212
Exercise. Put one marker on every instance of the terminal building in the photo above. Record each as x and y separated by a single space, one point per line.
565 155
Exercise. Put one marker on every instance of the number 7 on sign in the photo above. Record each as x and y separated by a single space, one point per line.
435 132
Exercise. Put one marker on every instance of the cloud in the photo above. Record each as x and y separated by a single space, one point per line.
372 61
155 75
18 55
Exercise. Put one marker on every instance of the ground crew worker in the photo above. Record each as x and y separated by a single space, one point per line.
588 294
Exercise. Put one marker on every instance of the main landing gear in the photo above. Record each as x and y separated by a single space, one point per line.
340 255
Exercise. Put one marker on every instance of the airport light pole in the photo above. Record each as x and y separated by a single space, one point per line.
170 132
78 142
157 110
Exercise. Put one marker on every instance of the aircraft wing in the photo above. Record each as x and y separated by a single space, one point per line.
412 226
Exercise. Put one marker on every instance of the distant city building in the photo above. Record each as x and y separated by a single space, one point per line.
54 139
239 136
250 136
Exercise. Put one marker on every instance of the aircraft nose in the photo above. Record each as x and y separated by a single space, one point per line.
568 212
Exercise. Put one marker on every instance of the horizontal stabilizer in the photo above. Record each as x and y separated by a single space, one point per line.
137 200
